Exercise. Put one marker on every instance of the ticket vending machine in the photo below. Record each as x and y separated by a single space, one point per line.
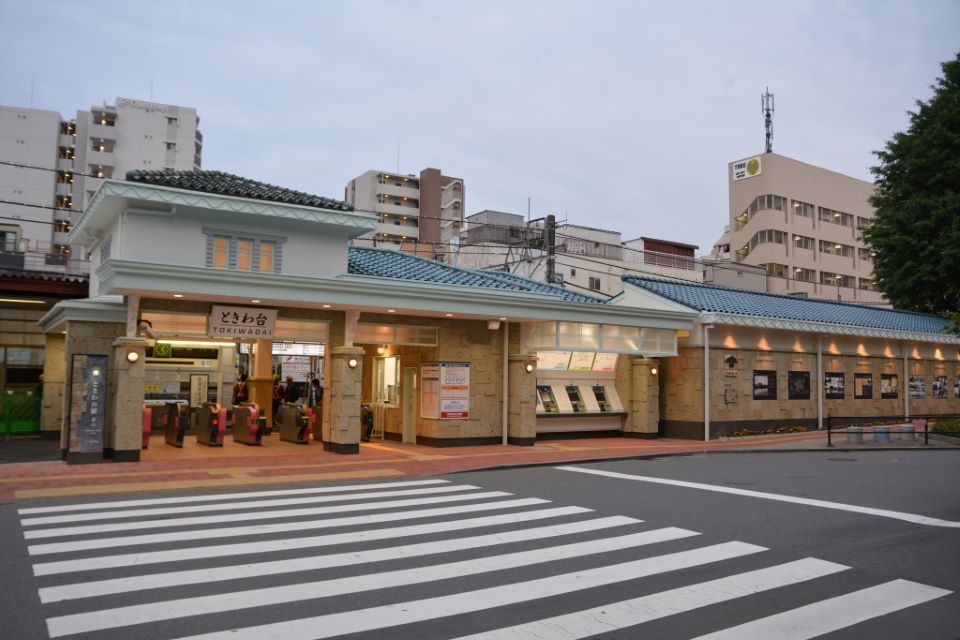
211 424
293 424
248 424
175 425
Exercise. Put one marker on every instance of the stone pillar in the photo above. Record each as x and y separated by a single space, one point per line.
260 384
54 385
522 400
341 400
124 442
643 420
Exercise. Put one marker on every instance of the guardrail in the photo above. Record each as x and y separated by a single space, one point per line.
856 426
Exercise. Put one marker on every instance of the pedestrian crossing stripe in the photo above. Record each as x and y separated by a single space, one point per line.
513 533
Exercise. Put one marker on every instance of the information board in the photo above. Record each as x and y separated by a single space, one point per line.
87 403
454 390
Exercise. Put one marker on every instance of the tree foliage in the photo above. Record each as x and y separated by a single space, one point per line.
916 231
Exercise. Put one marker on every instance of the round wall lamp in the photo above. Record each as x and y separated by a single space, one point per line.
529 368
352 363
381 350
653 371
132 356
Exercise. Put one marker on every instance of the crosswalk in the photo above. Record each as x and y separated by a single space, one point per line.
418 559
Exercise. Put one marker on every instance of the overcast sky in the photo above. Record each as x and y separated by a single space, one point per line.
619 115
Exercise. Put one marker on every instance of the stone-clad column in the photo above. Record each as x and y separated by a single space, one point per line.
341 400
643 420
522 400
124 443
260 384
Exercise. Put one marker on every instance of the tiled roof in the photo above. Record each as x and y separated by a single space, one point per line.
384 263
17 274
226 184
709 298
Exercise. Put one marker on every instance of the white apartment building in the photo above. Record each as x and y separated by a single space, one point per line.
801 224
421 214
586 259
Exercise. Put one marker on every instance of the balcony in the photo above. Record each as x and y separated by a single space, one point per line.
100 158
393 191
42 259
102 131
393 209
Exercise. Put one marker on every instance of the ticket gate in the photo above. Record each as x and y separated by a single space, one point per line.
293 423
315 417
211 424
175 425
248 424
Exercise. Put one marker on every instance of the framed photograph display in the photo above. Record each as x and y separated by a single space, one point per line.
918 387
863 386
798 385
941 387
764 385
956 387
834 386
889 386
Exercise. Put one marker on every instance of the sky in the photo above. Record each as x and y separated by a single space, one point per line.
617 115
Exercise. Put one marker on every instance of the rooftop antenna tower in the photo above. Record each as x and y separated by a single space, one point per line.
766 101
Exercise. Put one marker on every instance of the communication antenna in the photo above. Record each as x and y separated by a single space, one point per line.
766 101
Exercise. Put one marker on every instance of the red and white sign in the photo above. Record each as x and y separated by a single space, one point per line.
454 390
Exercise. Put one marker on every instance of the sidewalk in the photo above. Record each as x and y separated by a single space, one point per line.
165 468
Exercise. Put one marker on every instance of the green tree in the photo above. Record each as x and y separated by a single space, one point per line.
916 231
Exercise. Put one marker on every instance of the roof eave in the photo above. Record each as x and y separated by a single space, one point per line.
711 317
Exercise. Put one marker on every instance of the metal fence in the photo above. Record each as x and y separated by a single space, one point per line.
906 428
19 413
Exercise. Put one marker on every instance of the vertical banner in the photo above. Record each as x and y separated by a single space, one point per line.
199 382
454 390
87 403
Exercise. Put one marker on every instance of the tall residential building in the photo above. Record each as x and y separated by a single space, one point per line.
585 258
421 214
66 157
801 224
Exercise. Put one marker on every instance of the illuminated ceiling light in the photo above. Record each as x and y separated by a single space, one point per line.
22 301
503 319
449 315
196 343
391 310
326 306
255 301
178 295
381 350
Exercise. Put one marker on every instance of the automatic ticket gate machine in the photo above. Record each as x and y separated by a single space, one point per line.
211 424
248 424
294 424
175 424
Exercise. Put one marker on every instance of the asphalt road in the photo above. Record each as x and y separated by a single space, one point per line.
606 550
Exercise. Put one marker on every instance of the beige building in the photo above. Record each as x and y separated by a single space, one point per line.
421 214
800 223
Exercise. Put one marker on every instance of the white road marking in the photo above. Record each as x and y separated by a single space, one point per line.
326 626
621 615
283 544
236 506
839 506
829 615
214 497
166 523
195 606
314 562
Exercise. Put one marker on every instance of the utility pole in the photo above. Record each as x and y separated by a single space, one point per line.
550 240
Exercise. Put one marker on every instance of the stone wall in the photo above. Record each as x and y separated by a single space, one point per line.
54 376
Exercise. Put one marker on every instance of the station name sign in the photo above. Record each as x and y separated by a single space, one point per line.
242 322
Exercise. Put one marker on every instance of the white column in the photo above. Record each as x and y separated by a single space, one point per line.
906 381
706 381
506 383
819 382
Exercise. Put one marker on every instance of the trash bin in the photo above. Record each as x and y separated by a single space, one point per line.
366 421
855 435
908 432
881 435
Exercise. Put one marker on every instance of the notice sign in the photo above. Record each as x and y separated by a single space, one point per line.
242 322
747 168
87 403
454 390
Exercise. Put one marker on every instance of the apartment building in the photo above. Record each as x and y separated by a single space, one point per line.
801 224
585 259
422 214
50 167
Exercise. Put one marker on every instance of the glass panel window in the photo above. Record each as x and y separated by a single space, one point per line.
835 217
776 270
386 379
802 242
802 209
266 256
836 249
221 252
803 275
244 254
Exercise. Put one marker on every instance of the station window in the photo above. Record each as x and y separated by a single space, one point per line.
244 252
386 379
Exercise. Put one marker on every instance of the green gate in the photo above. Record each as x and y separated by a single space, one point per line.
20 413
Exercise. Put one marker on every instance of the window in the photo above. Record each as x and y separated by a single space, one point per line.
573 271
61 226
8 240
776 270
835 217
766 236
171 146
243 252
761 203
865 254
836 249
802 242
868 284
836 279
594 283
863 223
386 379
172 121
802 209
803 275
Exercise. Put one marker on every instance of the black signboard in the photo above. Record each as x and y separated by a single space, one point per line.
798 385
764 385
88 399
834 385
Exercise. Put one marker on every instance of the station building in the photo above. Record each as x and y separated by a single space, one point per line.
199 277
